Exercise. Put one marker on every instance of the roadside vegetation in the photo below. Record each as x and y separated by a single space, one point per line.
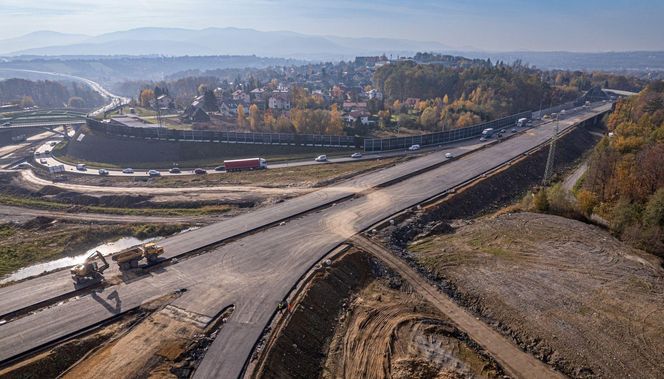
40 203
43 239
624 184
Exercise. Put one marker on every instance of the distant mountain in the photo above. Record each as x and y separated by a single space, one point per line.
39 39
214 41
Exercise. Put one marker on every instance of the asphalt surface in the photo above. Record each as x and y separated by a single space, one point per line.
49 160
257 271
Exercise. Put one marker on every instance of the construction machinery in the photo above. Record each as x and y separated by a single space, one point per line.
89 270
130 258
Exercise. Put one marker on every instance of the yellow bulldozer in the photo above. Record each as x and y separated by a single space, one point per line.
130 258
89 270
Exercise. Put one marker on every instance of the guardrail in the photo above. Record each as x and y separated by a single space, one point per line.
224 137
438 138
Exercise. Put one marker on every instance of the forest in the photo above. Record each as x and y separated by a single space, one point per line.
48 94
625 178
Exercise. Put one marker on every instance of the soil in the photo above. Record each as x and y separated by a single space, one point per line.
357 319
52 363
563 290
144 349
390 332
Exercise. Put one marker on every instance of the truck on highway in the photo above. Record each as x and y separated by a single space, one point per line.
130 257
245 164
522 122
488 132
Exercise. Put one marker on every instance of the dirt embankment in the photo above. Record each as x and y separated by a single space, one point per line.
497 190
563 290
357 319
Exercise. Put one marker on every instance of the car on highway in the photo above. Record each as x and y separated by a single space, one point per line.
175 170
47 151
220 168
513 130
449 155
81 167
128 170
53 143
154 173
200 171
43 161
356 155
414 147
103 172
321 158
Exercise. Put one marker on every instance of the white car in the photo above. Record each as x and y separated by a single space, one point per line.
128 171
449 155
414 147
81 167
356 155
321 158
43 161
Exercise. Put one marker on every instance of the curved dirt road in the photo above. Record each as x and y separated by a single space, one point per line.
30 177
512 359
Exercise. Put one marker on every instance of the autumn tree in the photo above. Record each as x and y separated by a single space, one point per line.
336 126
145 97
254 117
240 117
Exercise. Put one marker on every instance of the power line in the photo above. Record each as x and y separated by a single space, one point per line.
548 171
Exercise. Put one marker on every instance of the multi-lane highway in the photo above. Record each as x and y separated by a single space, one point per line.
256 271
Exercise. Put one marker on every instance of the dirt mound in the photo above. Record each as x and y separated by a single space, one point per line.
566 291
391 332
357 319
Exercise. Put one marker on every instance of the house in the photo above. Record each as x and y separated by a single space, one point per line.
279 99
195 112
165 101
258 95
352 117
411 102
375 94
353 106
240 95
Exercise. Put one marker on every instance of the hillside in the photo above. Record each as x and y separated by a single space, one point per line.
625 179
48 94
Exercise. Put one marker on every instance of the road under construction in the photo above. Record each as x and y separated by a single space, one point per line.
254 260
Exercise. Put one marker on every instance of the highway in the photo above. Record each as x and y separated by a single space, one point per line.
256 271
43 152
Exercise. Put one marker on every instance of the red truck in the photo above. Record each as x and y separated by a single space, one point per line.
245 164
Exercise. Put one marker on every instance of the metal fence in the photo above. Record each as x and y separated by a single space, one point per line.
224 137
438 138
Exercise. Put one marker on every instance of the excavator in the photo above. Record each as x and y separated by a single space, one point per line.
89 270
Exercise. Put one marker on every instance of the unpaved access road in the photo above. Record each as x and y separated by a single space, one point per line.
513 360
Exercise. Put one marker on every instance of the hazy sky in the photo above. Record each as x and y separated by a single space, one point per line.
581 25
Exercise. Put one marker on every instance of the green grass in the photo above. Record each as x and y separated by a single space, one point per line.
29 202
30 244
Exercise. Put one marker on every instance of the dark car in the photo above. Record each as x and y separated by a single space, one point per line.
220 168
174 170
200 171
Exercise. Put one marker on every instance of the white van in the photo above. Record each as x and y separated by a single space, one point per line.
81 167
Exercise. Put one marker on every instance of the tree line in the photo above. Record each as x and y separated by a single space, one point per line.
48 94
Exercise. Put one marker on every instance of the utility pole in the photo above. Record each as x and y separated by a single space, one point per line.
549 160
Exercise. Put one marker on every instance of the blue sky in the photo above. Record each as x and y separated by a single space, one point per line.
582 25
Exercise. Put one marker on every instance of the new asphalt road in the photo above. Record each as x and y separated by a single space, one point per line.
257 271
